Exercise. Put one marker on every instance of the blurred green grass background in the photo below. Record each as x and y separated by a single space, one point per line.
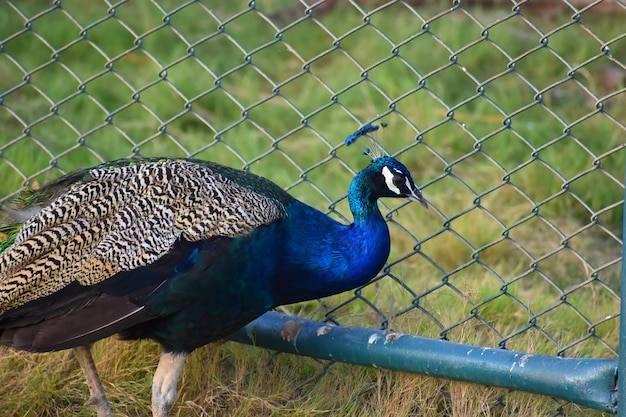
500 123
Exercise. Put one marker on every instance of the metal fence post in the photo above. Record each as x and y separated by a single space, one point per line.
621 382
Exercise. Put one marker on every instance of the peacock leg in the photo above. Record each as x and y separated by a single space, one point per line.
97 399
165 382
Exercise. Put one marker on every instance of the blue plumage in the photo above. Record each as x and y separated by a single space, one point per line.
362 131
182 252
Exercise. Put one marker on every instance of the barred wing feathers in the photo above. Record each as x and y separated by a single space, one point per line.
127 215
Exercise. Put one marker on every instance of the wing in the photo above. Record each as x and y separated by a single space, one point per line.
117 218
77 315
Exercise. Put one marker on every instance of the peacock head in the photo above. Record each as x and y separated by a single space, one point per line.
387 177
393 179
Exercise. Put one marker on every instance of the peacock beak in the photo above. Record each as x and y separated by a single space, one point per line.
416 195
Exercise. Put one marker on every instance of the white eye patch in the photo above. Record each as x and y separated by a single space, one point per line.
389 179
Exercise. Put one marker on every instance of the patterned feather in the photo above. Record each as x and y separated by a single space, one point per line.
111 205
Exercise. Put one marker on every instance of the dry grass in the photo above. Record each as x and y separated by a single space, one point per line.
237 380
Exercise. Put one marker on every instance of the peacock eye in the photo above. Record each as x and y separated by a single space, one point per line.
398 181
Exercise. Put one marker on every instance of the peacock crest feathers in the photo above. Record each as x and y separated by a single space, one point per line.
123 215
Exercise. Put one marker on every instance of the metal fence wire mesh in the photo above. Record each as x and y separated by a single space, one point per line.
511 115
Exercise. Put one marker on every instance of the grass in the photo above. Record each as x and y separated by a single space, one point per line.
515 232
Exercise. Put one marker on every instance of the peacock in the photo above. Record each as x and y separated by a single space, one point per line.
180 251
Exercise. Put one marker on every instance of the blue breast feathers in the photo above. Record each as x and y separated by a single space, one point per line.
320 256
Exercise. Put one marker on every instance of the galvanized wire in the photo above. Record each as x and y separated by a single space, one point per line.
57 112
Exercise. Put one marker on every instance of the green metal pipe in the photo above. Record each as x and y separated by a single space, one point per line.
588 382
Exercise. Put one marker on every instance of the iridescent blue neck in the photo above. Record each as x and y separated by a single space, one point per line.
362 204
323 256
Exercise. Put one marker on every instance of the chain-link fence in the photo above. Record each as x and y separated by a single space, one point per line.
511 115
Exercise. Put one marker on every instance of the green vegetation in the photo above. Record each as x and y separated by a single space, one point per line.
522 167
